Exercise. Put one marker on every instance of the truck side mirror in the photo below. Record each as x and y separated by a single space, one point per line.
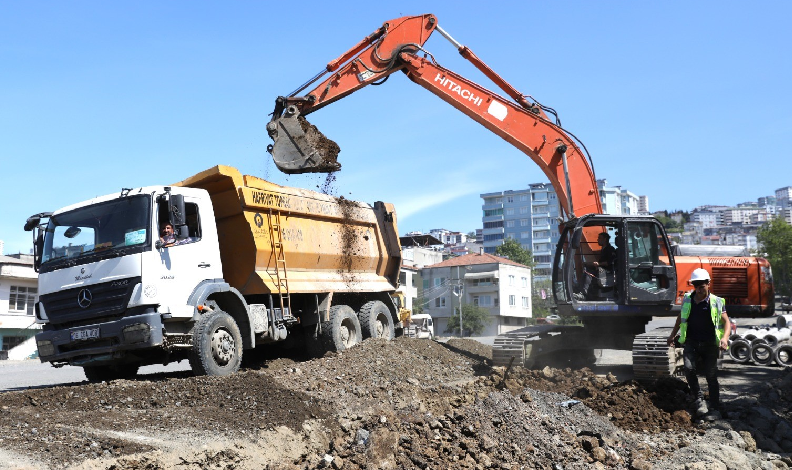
176 214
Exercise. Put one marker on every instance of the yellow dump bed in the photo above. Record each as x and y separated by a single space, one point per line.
273 235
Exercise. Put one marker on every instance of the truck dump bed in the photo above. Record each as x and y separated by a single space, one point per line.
318 243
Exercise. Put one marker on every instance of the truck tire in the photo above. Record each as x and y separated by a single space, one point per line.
108 373
740 351
376 320
783 355
217 345
343 330
761 354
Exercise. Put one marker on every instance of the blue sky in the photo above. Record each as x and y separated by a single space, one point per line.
686 102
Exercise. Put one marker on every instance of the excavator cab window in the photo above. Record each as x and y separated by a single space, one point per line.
651 273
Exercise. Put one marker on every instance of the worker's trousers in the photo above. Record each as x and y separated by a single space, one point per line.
702 354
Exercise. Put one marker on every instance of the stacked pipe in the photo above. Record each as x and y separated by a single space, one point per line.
763 345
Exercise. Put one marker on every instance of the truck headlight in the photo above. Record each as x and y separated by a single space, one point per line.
139 333
45 348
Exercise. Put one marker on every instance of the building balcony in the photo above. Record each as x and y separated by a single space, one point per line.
489 207
489 231
542 240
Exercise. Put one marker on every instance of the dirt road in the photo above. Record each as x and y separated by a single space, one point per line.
401 404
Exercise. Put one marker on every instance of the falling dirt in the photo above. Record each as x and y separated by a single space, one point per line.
349 241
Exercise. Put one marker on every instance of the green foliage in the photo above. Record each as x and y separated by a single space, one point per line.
542 307
418 305
513 250
775 238
474 319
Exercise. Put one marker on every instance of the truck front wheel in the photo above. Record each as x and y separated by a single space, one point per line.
376 320
343 330
217 345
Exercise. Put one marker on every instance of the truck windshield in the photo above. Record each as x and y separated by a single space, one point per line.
102 230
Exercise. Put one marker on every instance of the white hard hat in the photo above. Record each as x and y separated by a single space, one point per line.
699 274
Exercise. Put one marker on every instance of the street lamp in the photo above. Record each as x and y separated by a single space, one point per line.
461 295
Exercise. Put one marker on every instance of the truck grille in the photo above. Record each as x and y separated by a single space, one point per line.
730 281
107 301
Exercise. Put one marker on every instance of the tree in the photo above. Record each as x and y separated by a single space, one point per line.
474 319
513 250
418 305
775 238
542 307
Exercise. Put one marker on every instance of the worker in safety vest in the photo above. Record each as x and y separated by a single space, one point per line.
704 328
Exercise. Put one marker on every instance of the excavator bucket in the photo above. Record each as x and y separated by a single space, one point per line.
299 147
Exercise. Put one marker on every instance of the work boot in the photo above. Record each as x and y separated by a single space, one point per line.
701 407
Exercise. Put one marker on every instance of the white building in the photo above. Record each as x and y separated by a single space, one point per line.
409 280
643 205
707 219
497 284
18 296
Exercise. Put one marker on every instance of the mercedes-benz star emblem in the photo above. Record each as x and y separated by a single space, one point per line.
84 298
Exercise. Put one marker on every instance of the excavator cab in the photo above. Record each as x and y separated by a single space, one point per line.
614 265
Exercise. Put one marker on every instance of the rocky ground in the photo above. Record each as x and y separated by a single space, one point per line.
407 403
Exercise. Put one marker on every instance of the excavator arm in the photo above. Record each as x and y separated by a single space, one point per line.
398 46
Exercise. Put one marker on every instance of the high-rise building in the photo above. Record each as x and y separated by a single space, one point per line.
643 205
784 197
528 216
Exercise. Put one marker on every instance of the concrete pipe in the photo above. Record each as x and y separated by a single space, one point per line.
740 351
774 338
784 321
783 355
762 354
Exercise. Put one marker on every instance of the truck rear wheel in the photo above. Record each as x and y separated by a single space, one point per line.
376 320
108 373
343 330
217 345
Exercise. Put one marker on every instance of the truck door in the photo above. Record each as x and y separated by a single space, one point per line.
651 274
187 262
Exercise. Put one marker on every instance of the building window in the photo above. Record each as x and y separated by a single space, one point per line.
493 212
440 302
12 341
438 281
525 303
542 234
511 280
496 301
507 320
525 234
482 300
524 210
512 301
496 224
509 223
509 211
426 283
22 299
523 222
509 199
524 281
523 197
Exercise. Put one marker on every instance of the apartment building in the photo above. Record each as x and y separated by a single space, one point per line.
18 297
528 216
500 285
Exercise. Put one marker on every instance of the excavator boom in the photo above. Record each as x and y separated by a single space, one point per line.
300 148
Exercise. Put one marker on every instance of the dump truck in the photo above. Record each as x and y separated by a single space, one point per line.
249 263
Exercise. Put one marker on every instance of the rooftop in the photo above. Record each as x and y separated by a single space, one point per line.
473 259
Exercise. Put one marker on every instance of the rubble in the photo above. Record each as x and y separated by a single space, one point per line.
406 403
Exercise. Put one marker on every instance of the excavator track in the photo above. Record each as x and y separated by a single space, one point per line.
652 357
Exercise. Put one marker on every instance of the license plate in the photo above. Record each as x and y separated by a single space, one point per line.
90 333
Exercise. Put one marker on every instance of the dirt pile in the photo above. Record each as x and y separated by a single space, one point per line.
407 403
322 147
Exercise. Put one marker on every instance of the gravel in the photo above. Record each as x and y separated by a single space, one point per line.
406 403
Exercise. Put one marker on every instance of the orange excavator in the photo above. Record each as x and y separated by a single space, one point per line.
614 305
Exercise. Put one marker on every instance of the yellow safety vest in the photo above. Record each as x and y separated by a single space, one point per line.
716 310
